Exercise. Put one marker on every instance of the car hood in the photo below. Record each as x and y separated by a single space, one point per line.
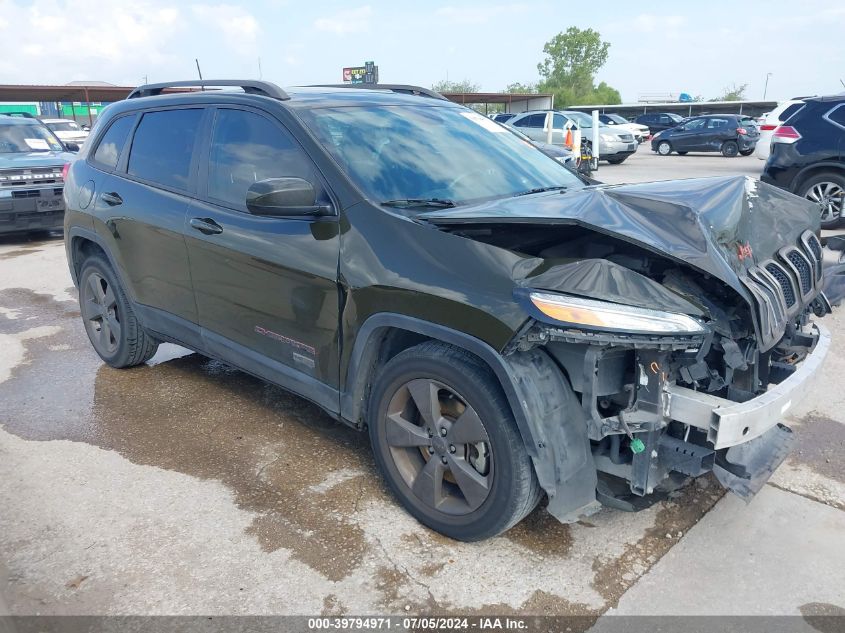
721 226
20 160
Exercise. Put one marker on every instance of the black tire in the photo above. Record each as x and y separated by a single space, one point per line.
746 152
682 153
617 161
666 148
109 320
730 149
456 378
824 189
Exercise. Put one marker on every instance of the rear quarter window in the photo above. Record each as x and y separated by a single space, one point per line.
111 144
163 146
789 112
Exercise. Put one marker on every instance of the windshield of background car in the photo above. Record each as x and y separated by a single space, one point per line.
674 117
617 119
432 152
27 138
64 126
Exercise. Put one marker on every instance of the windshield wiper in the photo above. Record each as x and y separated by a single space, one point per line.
541 190
407 203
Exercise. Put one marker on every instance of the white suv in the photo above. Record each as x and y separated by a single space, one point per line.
773 119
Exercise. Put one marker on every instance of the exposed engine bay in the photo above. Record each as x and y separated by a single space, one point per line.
663 406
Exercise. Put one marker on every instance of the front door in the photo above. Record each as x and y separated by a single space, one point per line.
266 288
689 137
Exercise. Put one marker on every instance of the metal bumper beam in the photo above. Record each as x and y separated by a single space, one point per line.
730 423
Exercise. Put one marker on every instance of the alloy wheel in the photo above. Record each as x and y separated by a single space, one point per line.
100 313
829 197
440 447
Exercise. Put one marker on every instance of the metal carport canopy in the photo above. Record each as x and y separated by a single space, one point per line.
514 102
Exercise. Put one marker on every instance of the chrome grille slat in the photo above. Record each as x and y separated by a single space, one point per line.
784 281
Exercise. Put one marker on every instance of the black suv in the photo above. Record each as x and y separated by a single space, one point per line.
659 121
729 134
503 330
808 156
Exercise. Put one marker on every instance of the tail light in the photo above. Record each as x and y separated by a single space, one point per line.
785 134
766 127
65 170
741 130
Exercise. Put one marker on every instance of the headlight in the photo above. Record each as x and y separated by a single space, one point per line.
608 138
612 316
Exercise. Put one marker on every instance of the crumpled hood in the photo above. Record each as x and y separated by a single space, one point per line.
22 160
721 226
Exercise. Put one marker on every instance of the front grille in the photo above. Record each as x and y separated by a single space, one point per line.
29 177
26 193
802 267
782 287
785 283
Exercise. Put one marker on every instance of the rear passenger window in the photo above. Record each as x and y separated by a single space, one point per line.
163 145
246 148
108 151
718 124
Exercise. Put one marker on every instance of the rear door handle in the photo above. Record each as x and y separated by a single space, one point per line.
206 226
111 198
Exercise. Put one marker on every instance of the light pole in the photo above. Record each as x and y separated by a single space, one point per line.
766 86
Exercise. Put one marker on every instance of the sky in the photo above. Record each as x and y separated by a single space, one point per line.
656 47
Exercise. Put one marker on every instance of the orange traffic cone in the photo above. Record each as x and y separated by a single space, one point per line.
568 141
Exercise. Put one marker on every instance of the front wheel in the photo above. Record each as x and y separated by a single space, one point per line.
730 149
682 153
827 190
617 160
109 320
746 152
664 148
444 438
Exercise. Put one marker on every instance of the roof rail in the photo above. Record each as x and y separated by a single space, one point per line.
250 86
401 88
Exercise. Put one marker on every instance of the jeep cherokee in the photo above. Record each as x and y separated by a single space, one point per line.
502 330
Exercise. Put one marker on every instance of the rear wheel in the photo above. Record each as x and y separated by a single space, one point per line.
664 148
444 438
826 189
730 149
109 321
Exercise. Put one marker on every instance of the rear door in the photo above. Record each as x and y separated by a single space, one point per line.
142 207
719 129
266 287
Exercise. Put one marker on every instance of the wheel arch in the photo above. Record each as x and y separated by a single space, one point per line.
816 168
80 243
384 335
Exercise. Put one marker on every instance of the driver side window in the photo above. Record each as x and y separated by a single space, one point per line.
696 124
247 147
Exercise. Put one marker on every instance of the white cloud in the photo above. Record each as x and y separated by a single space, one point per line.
240 29
479 14
651 23
349 21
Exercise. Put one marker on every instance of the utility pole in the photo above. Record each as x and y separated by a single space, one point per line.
259 68
199 72
766 86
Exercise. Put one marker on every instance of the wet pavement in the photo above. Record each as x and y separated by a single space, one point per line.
187 487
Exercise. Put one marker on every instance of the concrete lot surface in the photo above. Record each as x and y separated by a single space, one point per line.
187 487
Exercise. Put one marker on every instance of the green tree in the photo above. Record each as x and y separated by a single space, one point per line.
520 88
572 59
455 86
732 93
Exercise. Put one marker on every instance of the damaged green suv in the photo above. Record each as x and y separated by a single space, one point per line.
504 330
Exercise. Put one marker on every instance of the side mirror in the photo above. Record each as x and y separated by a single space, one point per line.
86 128
284 197
71 146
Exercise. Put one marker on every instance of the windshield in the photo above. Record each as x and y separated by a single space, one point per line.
64 126
432 153
27 138
674 117
617 119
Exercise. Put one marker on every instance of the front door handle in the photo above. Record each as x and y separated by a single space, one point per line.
206 226
111 198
